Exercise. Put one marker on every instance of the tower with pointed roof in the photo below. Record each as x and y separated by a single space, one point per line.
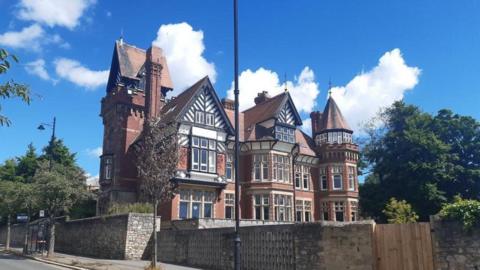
338 156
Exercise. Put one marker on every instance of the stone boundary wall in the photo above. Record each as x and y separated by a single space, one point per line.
453 246
17 235
208 223
322 245
123 236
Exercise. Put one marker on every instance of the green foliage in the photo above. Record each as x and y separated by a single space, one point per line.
8 171
399 212
58 188
10 88
420 158
465 211
27 164
57 152
125 208
84 209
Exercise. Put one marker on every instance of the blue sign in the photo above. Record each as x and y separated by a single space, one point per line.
22 218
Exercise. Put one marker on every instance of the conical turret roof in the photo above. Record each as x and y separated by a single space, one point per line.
332 118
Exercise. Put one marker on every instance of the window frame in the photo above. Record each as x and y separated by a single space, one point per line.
229 203
260 163
203 156
263 204
206 198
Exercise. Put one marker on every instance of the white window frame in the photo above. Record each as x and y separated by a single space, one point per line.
209 119
281 167
108 168
325 209
337 171
206 197
229 166
204 150
304 206
263 203
282 203
260 162
230 202
200 117
351 178
339 207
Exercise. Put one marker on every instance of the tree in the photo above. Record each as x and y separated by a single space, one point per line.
57 152
9 204
58 188
399 212
420 158
10 88
157 159
27 164
8 171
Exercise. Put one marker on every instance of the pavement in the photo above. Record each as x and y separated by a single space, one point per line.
10 261
15 260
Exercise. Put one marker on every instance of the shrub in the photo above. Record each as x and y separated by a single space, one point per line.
398 212
125 208
465 211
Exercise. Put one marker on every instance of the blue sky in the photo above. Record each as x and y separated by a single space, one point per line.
374 52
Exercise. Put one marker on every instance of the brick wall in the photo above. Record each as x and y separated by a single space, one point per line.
454 247
295 246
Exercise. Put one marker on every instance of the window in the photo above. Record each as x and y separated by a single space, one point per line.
283 207
281 168
354 210
229 168
339 211
107 168
262 206
210 119
229 205
285 134
200 117
306 177
303 211
351 178
323 178
260 167
196 204
204 156
337 177
325 209
298 175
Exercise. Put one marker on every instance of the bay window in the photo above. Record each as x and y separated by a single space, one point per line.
285 134
302 177
196 204
261 205
283 207
281 168
260 167
204 156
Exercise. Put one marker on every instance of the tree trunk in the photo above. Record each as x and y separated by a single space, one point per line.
51 239
7 243
25 240
154 255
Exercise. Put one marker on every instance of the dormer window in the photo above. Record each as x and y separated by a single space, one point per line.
285 134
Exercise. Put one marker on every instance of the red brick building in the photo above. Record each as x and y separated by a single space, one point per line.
285 174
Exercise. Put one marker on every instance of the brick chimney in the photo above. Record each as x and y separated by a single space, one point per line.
154 98
262 97
316 118
228 104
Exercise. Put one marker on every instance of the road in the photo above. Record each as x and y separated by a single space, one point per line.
12 262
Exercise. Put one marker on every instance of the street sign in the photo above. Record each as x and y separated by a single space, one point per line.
22 218
42 213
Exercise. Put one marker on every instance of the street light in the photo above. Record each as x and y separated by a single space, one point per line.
52 126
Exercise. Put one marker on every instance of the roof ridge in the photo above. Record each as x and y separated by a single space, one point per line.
264 102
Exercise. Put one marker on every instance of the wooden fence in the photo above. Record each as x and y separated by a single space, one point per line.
403 246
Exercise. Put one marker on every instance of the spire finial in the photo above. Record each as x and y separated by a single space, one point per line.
330 87
121 37
285 81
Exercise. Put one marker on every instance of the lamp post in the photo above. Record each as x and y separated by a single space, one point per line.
237 143
52 126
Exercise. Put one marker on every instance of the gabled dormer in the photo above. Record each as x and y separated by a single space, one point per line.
273 117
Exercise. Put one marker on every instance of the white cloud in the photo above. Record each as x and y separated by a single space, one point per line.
183 48
307 126
74 72
92 180
28 38
37 68
303 89
32 37
368 92
54 12
95 152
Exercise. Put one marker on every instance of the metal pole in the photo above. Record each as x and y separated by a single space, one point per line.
237 143
53 128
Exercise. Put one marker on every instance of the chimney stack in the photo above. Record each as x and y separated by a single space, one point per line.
228 104
154 98
316 118
262 97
